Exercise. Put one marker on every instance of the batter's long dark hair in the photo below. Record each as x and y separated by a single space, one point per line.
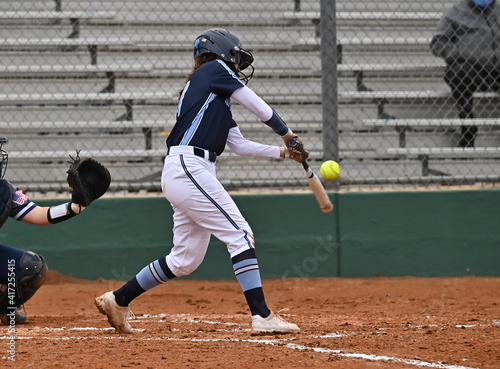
199 60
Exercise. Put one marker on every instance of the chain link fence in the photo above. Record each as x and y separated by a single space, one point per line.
356 80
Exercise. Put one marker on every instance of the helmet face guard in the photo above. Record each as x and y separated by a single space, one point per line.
228 47
4 157
246 62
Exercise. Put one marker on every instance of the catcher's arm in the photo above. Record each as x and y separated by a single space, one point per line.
44 215
60 213
88 180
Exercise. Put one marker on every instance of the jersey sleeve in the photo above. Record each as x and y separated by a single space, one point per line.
222 80
241 146
250 100
21 204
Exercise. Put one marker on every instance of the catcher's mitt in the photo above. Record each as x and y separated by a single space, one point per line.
295 147
88 179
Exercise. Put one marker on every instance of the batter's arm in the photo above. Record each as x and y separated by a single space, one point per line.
259 107
250 100
241 146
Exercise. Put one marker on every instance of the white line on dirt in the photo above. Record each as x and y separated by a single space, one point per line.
282 342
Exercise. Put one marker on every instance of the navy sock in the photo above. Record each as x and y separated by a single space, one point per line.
129 291
247 273
150 276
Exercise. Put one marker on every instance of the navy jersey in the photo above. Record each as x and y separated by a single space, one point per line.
204 114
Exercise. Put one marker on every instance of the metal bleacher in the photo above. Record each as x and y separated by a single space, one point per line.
106 81
404 114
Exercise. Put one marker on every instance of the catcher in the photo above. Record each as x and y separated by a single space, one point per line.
22 273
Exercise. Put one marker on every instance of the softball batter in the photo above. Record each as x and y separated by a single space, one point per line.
202 207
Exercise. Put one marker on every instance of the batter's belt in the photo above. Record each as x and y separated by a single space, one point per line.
202 153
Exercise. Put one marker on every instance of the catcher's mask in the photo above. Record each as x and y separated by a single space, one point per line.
4 157
226 45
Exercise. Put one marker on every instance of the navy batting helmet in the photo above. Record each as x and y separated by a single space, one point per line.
227 46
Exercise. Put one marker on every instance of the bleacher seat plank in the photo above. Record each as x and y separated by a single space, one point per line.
405 95
446 152
425 154
431 123
366 15
42 71
59 98
313 43
392 16
88 70
92 43
359 69
401 125
389 67
356 69
35 14
73 69
380 98
369 41
129 99
57 126
74 17
54 41
54 155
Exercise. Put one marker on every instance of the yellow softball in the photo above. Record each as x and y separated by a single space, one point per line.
330 169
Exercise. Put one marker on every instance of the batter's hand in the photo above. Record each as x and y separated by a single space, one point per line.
295 147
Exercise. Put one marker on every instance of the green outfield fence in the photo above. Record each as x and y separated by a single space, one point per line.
356 80
368 234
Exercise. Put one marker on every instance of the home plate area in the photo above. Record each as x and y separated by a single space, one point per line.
449 323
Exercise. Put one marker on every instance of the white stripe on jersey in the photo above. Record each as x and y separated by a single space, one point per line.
188 135
25 211
182 98
229 70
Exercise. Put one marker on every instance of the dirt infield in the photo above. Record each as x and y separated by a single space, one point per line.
449 323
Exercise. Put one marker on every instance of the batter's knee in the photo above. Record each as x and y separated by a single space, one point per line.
245 241
179 269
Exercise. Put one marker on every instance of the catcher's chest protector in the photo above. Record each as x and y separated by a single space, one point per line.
5 200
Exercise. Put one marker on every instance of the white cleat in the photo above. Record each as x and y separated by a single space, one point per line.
273 323
117 315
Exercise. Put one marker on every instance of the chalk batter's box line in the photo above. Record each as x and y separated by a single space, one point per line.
282 342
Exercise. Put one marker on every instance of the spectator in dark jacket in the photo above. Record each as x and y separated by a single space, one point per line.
468 39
